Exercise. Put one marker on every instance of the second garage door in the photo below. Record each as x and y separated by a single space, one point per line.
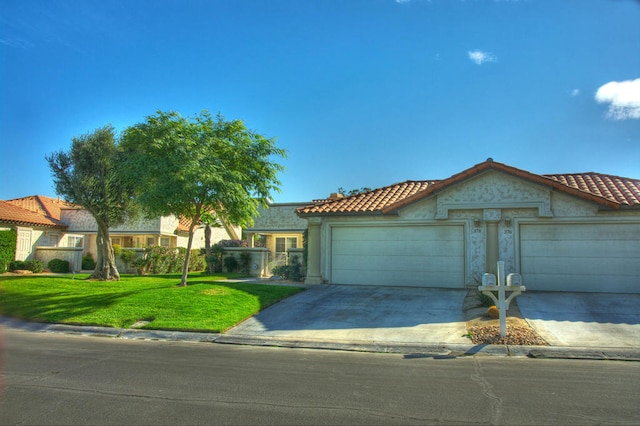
581 257
417 256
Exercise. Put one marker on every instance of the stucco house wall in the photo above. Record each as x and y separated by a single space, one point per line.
277 220
565 241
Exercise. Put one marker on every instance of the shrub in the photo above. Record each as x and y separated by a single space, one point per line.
293 271
17 265
245 262
215 260
127 256
87 262
231 263
8 240
162 260
197 261
58 265
486 300
34 265
142 264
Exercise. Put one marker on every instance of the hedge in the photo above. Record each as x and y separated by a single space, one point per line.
8 240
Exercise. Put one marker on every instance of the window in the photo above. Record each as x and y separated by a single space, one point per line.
165 241
53 240
151 241
74 241
285 243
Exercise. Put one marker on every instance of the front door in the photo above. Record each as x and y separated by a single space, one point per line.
23 246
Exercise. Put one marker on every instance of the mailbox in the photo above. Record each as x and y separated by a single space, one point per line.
488 279
514 279
513 285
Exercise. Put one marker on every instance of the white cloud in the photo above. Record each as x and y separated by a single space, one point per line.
623 98
479 57
575 92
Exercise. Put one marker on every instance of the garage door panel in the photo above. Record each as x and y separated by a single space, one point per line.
569 248
584 232
573 265
575 282
581 257
404 256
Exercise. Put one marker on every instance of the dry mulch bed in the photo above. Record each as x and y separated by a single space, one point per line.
484 330
516 335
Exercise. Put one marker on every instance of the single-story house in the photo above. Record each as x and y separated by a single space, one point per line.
52 228
278 228
561 232
166 231
36 221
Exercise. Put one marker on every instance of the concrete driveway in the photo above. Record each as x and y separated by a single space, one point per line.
603 320
362 315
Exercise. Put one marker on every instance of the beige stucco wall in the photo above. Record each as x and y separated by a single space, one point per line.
278 217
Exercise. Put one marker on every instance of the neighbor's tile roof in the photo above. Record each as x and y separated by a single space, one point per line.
608 190
11 213
44 205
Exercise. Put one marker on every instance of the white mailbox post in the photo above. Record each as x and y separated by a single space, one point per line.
513 285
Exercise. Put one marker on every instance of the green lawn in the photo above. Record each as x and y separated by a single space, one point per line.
204 305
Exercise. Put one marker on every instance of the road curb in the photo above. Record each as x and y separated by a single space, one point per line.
410 350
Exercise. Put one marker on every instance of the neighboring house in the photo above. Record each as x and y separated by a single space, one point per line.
51 228
564 232
36 221
278 228
166 231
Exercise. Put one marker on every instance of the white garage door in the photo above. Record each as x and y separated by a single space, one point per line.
581 257
418 256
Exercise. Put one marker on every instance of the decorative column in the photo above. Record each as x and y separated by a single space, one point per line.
491 217
313 254
249 239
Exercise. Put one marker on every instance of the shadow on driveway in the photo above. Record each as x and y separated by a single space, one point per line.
583 319
363 314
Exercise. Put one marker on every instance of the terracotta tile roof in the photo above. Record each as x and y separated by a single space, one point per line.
11 213
368 202
183 224
607 190
44 205
624 191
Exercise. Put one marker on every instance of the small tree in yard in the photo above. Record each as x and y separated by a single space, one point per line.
86 176
192 167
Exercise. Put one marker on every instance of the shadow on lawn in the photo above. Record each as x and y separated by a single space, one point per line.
56 307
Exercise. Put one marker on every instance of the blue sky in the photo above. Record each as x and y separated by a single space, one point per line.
361 93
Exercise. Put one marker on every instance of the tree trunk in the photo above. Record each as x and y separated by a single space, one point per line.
106 269
207 248
185 269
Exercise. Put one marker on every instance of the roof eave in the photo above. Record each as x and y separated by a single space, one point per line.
26 223
333 214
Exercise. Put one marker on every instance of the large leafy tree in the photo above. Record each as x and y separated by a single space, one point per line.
86 175
200 166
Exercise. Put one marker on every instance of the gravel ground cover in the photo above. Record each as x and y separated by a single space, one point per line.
483 330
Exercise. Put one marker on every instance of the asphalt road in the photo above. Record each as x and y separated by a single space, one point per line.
67 379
